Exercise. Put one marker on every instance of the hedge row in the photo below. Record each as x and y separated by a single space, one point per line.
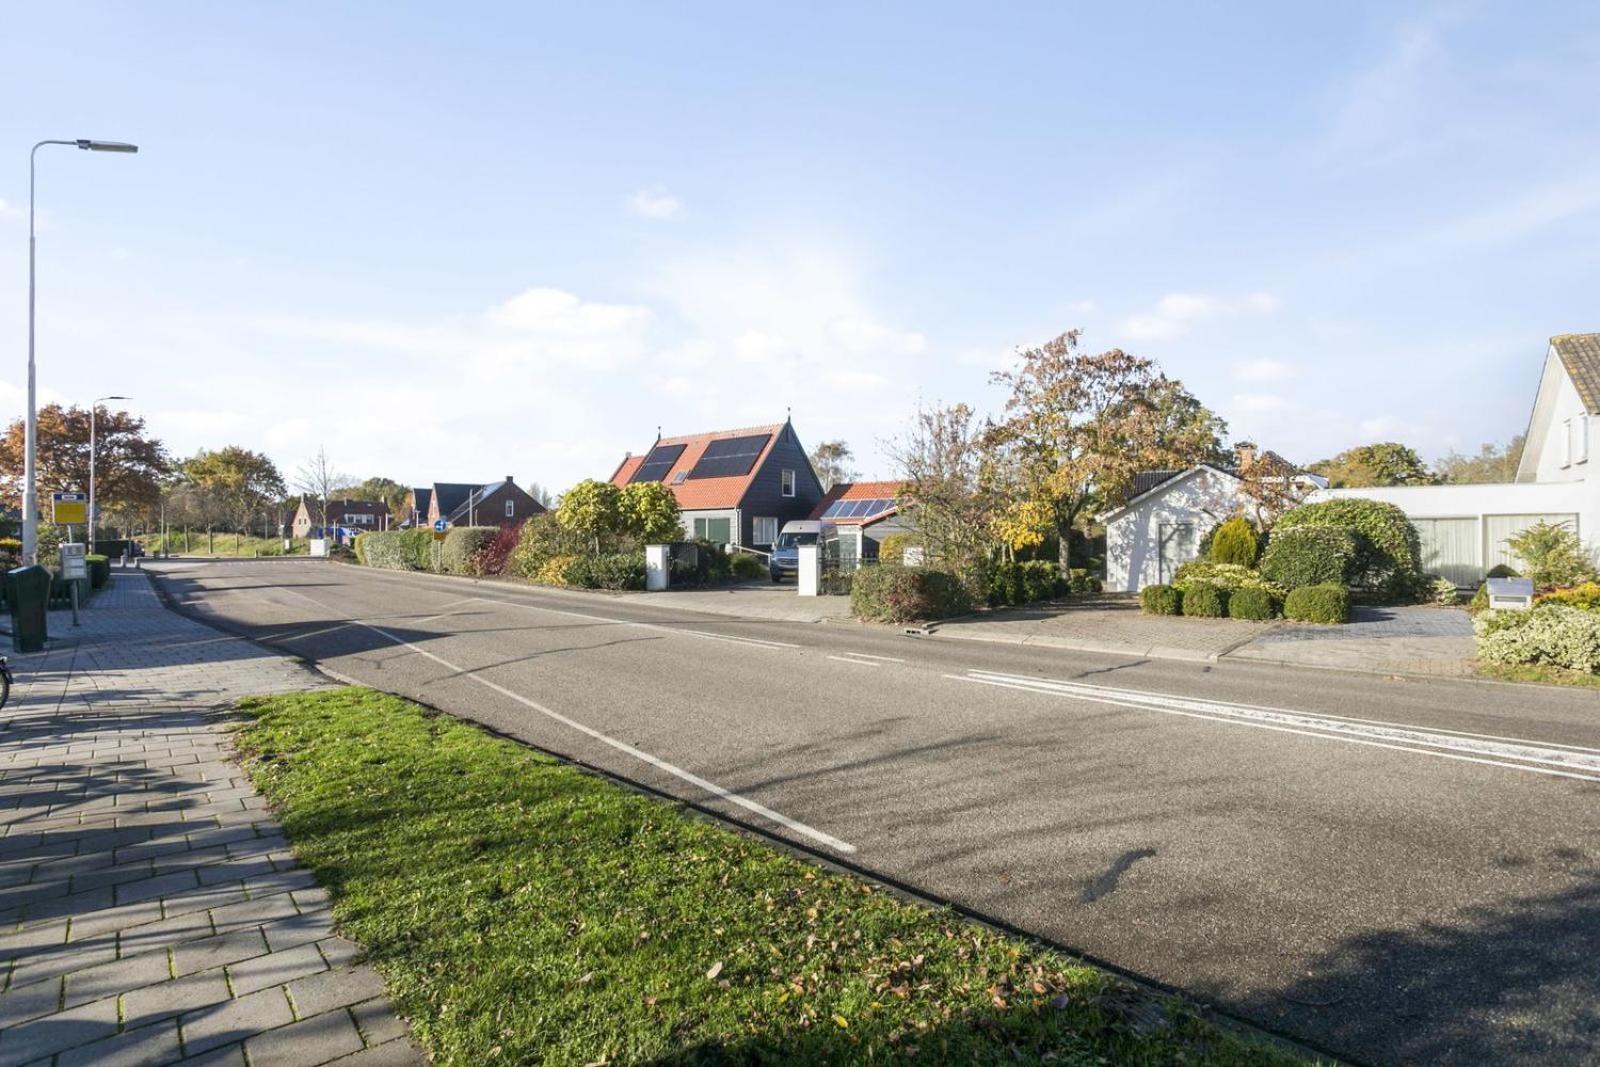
1554 634
893 593
412 550
1201 599
1309 555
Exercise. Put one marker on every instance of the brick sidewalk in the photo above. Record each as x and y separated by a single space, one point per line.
150 910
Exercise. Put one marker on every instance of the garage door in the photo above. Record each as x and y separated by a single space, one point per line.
1497 528
1450 548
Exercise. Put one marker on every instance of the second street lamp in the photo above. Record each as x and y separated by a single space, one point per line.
94 517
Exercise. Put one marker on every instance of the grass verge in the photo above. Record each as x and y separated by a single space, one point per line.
199 543
521 910
1538 674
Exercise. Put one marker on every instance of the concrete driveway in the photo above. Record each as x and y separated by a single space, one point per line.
1397 872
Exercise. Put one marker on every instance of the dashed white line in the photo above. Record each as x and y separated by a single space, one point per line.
857 662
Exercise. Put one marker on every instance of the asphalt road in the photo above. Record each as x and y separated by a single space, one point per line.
1395 871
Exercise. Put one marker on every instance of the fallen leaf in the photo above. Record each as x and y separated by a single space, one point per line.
841 1022
716 969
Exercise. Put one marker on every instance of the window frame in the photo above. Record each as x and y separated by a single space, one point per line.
755 530
788 482
511 508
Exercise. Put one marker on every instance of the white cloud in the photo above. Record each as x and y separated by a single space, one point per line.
558 313
1263 370
655 203
1259 403
1175 313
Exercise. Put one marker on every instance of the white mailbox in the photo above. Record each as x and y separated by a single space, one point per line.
1511 594
657 567
808 570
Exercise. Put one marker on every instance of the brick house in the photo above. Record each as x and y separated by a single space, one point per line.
733 486
502 503
358 515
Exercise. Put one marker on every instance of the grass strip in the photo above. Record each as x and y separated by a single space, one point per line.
1538 674
523 911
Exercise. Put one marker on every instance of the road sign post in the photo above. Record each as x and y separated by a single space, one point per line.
441 527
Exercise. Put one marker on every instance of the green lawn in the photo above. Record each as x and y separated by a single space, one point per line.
523 911
199 543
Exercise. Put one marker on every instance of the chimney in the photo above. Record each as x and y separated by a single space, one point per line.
1245 451
511 478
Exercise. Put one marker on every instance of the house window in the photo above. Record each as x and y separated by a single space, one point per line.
1580 430
788 483
511 509
764 530
716 530
1566 443
677 479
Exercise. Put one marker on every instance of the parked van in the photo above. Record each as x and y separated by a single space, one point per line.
786 553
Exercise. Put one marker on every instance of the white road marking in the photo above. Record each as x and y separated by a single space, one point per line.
857 662
1563 761
868 655
729 637
292 636
824 839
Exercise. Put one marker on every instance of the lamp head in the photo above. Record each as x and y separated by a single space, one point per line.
105 146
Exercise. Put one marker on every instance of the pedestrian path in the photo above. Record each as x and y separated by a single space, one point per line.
150 909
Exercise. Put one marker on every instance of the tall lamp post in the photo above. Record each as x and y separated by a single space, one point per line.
30 498
94 409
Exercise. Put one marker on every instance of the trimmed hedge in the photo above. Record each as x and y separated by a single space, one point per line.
1225 576
1082 583
1388 550
459 552
1309 555
618 570
1204 600
1161 600
99 570
1585 596
1234 542
397 550
1328 604
1252 603
897 594
1556 634
1023 582
746 567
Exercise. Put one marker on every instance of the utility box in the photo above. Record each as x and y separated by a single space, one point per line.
657 567
27 594
808 570
1511 594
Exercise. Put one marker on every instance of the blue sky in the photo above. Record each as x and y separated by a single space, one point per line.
459 241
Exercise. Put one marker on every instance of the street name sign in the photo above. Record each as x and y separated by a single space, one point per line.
69 509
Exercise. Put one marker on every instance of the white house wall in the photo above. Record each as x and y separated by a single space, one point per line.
1202 497
1559 435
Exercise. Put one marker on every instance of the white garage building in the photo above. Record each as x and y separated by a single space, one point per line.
1463 527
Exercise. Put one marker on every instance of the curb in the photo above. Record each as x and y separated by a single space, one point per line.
1115 648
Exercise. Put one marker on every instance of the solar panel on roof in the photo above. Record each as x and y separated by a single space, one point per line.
835 509
730 457
657 463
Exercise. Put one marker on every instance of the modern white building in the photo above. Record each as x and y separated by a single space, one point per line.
1463 528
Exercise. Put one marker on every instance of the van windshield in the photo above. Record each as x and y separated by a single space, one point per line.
790 540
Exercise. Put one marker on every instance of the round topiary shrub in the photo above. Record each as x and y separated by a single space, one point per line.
1252 603
1326 604
1234 542
1500 570
1387 548
1204 600
1160 600
1310 555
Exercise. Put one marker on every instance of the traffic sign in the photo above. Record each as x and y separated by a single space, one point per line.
440 528
69 509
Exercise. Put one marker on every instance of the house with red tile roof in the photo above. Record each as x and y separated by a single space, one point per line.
864 513
733 487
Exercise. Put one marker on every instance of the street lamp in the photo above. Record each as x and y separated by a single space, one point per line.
30 499
94 409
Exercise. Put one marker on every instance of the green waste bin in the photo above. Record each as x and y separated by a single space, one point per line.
27 591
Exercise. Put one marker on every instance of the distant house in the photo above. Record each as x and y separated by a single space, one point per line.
864 513
358 515
733 487
1169 512
502 503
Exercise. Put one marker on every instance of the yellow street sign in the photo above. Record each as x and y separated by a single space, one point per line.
69 509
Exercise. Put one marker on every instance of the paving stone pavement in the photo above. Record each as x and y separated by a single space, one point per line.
1401 640
150 909
1109 623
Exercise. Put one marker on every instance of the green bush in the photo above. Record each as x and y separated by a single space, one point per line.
1253 603
1225 576
1500 570
1553 555
1080 582
360 547
746 567
543 539
1554 634
1480 599
459 552
397 550
1161 600
616 570
1585 596
1310 555
99 570
1234 542
892 549
1024 582
1442 590
1327 604
1387 548
896 594
1204 600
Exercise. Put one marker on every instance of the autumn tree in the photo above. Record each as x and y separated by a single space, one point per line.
129 465
1082 426
949 493
649 512
1270 484
1493 465
1382 463
832 462
234 484
386 491
590 510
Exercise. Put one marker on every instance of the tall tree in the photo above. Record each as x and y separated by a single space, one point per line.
1083 426
1492 465
317 480
948 496
129 465
1269 483
234 484
831 461
379 490
1382 463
